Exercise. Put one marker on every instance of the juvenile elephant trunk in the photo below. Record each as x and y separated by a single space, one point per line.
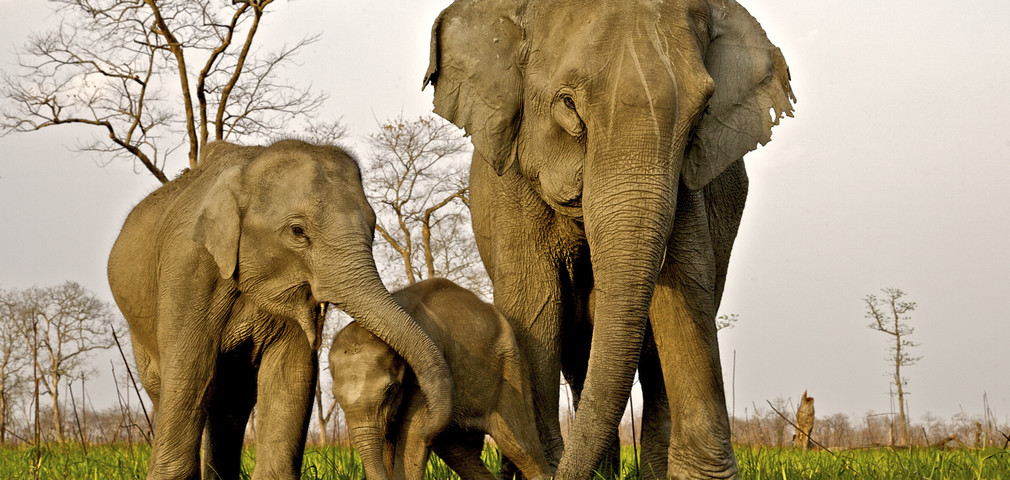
629 202
359 292
369 439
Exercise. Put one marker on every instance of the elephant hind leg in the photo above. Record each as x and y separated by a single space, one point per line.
519 441
461 450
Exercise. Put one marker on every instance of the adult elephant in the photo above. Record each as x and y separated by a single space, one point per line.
220 274
607 186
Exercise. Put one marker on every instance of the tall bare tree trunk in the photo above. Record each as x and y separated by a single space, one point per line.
57 414
903 429
3 413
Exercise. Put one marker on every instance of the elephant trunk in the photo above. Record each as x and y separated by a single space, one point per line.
356 288
628 206
370 440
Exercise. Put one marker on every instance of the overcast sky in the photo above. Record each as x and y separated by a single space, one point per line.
893 173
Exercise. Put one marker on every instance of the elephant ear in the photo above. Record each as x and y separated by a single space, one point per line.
478 85
751 95
218 224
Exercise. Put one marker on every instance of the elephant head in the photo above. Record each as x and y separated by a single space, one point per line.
292 228
607 109
368 383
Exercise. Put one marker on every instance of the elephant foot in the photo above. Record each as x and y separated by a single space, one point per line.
690 465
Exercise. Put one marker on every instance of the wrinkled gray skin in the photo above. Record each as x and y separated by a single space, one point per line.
608 143
220 274
385 411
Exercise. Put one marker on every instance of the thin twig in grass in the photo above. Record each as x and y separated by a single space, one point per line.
819 444
126 418
77 419
761 428
85 401
129 374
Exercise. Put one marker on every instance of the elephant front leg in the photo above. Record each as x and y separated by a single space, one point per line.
683 322
537 328
286 384
175 452
187 364
521 241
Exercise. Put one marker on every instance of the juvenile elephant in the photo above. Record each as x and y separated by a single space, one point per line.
608 143
491 389
221 273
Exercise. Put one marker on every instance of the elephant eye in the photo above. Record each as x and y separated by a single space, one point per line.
298 230
568 102
566 114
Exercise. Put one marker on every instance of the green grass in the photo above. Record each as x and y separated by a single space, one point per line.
879 463
339 463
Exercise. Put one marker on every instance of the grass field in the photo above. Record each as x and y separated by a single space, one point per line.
338 463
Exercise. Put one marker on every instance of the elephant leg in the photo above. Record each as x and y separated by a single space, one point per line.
520 243
285 383
186 380
683 322
461 450
518 440
227 415
534 312
147 370
655 413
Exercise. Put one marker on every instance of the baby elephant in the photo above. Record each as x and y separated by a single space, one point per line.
386 412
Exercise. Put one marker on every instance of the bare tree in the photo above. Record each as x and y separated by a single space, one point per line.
61 325
890 315
13 358
417 180
153 76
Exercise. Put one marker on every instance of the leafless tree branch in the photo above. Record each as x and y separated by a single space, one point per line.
120 68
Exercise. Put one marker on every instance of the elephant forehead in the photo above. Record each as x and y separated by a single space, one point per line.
306 188
614 51
348 390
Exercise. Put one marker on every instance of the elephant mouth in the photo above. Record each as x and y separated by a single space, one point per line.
570 208
567 203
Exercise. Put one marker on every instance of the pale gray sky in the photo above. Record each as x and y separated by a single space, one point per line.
893 173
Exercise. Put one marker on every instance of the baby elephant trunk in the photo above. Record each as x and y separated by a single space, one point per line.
369 439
